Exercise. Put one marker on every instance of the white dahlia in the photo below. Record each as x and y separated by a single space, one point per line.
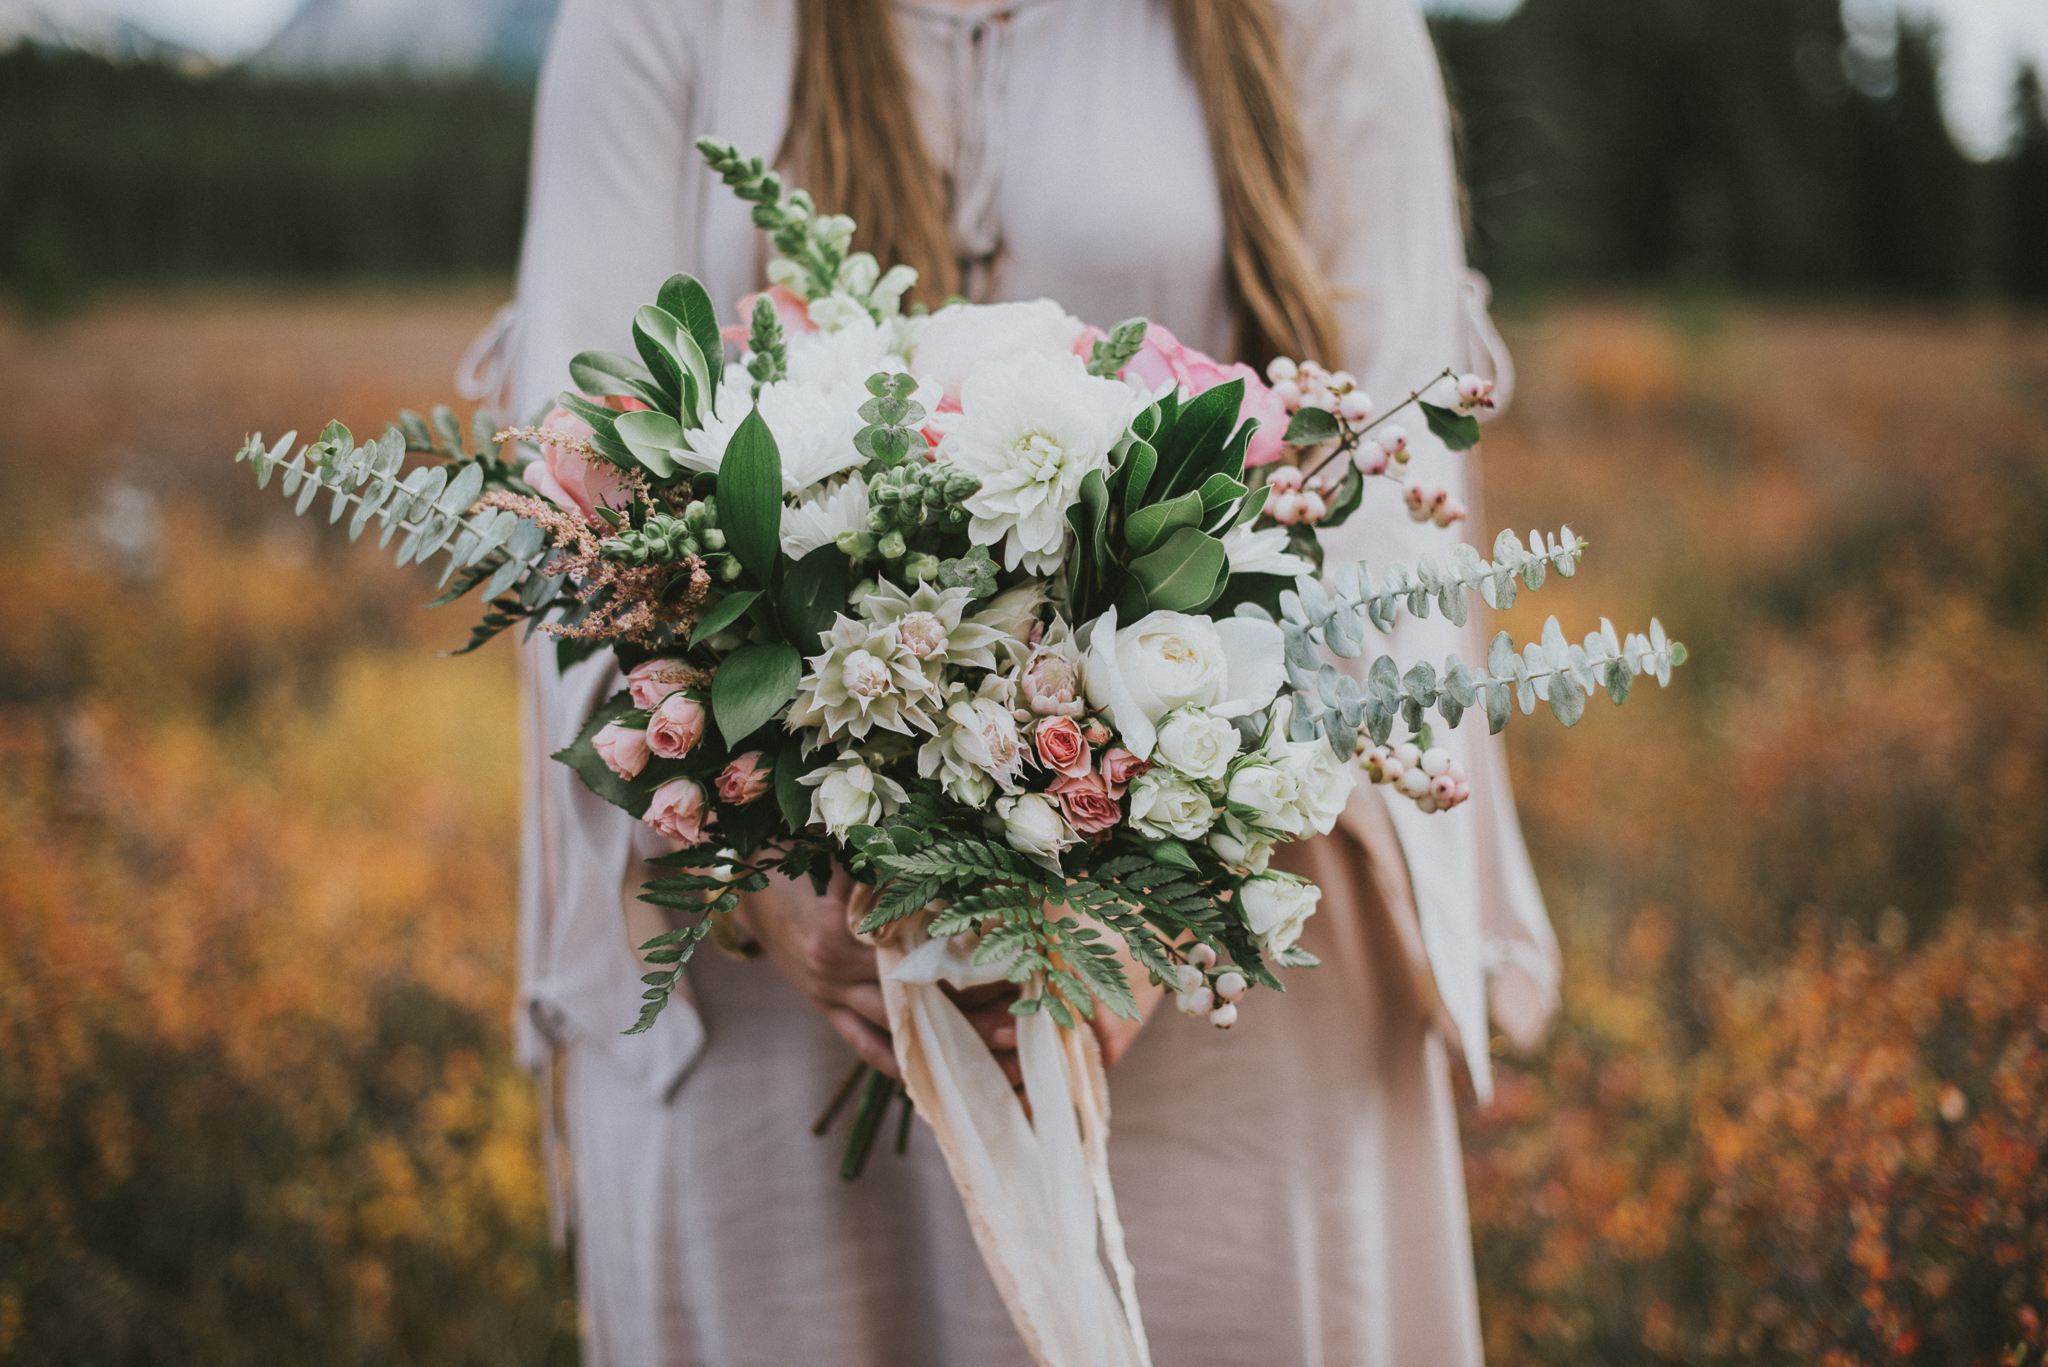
819 521
1032 427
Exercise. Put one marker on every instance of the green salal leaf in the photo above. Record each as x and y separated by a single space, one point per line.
728 610
750 497
812 595
1149 527
1219 490
1311 427
1183 575
685 298
609 373
753 684
654 438
1199 438
1459 431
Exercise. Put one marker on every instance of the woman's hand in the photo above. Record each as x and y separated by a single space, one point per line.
806 937
987 1009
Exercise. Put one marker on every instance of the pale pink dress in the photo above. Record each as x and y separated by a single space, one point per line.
1292 1189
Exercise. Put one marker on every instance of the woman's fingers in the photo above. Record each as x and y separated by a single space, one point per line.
865 1001
870 1043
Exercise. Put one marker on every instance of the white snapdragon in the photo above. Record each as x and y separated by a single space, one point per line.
1196 744
850 794
1165 806
1276 906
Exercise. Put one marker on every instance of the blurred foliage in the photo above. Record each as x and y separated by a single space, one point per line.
256 920
1723 144
1797 1108
141 171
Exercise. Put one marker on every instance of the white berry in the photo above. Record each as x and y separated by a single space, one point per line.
1231 986
1201 956
1223 1017
1436 760
1414 782
1187 977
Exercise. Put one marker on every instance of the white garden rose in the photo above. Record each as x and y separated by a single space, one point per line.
1165 806
1169 660
1033 825
1276 906
1239 846
1031 428
1324 781
851 794
1197 744
1264 794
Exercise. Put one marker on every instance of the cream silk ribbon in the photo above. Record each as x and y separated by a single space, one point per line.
1037 1189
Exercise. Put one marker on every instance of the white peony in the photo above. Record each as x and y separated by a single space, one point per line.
1276 906
1031 428
851 794
1033 825
819 521
1266 795
1323 782
960 339
1166 806
1263 552
1167 660
1197 744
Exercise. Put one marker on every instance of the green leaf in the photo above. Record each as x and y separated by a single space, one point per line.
812 596
607 372
1173 854
753 684
1182 575
581 755
1139 463
667 346
683 297
727 612
1150 526
1459 431
1312 427
750 497
1201 434
791 796
604 426
653 438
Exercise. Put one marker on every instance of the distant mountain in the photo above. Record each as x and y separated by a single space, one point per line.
332 36
82 25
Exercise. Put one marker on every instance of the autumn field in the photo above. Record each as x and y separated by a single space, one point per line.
257 879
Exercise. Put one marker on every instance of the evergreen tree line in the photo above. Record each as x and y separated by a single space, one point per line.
1711 143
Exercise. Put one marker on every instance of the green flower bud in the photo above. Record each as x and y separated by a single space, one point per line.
713 539
892 546
921 567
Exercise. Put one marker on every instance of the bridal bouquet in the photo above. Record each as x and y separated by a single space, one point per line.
1025 624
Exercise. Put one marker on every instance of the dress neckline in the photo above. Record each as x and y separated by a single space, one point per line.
969 14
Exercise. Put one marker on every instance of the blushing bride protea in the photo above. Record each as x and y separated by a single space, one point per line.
868 677
978 748
930 623
1031 429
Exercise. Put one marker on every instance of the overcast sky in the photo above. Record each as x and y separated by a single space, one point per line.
1986 41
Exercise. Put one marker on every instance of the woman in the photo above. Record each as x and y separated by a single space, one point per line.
1263 177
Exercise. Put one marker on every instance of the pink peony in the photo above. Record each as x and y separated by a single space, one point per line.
678 811
1119 767
1087 802
622 748
961 337
1062 747
791 308
676 727
1164 357
744 780
656 679
572 479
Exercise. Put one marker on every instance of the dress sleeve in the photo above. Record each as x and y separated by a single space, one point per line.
1383 212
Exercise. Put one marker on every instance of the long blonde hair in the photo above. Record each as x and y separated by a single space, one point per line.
850 107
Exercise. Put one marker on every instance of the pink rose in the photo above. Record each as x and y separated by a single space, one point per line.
676 727
1061 747
743 781
678 811
572 479
961 337
1119 767
1164 357
791 309
622 748
654 680
1089 806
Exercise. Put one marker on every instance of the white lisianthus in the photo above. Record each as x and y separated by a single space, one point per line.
1165 806
1033 825
1323 781
1266 795
818 522
1032 427
1196 743
1263 552
1239 846
1168 660
1276 906
850 794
